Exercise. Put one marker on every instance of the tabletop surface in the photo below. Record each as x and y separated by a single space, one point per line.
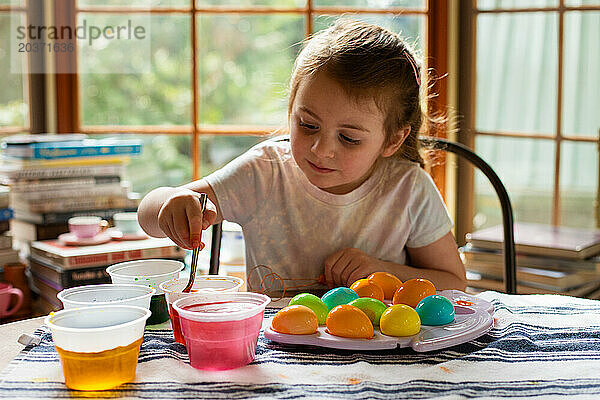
541 346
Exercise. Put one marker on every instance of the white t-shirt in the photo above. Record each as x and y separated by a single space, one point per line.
292 226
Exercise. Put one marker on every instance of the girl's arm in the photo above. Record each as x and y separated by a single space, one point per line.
438 262
175 212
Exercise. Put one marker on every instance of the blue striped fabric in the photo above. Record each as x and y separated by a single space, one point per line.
541 346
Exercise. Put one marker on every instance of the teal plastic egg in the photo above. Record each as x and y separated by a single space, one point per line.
372 307
314 303
338 296
435 310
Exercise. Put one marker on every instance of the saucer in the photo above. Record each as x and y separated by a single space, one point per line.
116 234
72 240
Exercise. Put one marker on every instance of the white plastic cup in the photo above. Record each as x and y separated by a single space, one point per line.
150 272
173 290
98 346
106 294
221 329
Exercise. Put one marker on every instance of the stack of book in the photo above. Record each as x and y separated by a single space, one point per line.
55 177
54 266
550 259
7 254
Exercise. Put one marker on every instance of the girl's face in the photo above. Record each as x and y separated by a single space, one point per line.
335 139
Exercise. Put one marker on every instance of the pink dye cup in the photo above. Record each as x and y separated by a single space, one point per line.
221 329
213 283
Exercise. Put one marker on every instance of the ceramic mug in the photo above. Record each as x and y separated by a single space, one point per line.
86 227
6 292
127 223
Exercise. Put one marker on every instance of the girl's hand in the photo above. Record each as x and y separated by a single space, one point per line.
346 266
181 218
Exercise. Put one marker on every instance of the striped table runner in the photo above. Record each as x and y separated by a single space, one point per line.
543 346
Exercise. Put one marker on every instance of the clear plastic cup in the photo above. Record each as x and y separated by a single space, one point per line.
221 329
150 272
98 346
214 283
106 294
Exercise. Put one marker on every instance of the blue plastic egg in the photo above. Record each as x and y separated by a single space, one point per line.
435 310
338 296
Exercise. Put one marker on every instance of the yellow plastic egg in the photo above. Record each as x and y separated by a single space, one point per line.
349 321
400 320
295 320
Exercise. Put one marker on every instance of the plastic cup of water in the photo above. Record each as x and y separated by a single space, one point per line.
152 273
221 329
106 294
211 283
98 346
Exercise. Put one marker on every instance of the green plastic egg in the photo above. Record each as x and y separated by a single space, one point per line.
372 307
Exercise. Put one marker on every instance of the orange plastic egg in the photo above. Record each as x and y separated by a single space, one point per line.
295 320
388 282
413 291
349 321
366 288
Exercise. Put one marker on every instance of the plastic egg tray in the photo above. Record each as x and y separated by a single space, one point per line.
473 318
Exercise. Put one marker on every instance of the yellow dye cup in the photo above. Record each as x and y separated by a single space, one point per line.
98 346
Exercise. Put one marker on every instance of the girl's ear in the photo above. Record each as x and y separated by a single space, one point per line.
398 138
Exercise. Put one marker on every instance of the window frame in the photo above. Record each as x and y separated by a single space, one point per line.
468 133
67 96
34 93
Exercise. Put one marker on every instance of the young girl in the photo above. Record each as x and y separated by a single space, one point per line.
345 196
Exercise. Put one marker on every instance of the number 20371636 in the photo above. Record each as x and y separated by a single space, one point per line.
38 47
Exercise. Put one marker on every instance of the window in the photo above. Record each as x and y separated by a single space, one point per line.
217 77
14 110
533 107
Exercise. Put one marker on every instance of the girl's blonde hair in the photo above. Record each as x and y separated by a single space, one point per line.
369 61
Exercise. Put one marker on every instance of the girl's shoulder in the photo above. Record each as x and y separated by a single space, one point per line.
400 169
272 149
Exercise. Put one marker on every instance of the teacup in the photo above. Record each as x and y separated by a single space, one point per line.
127 223
87 226
6 292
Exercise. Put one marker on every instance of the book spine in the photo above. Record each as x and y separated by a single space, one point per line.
40 185
44 271
95 260
89 276
5 241
52 151
77 204
63 162
46 288
69 278
95 170
90 191
63 217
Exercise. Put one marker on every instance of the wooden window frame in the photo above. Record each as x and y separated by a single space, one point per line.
467 102
67 97
34 91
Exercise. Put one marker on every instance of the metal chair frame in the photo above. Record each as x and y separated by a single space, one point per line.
510 275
